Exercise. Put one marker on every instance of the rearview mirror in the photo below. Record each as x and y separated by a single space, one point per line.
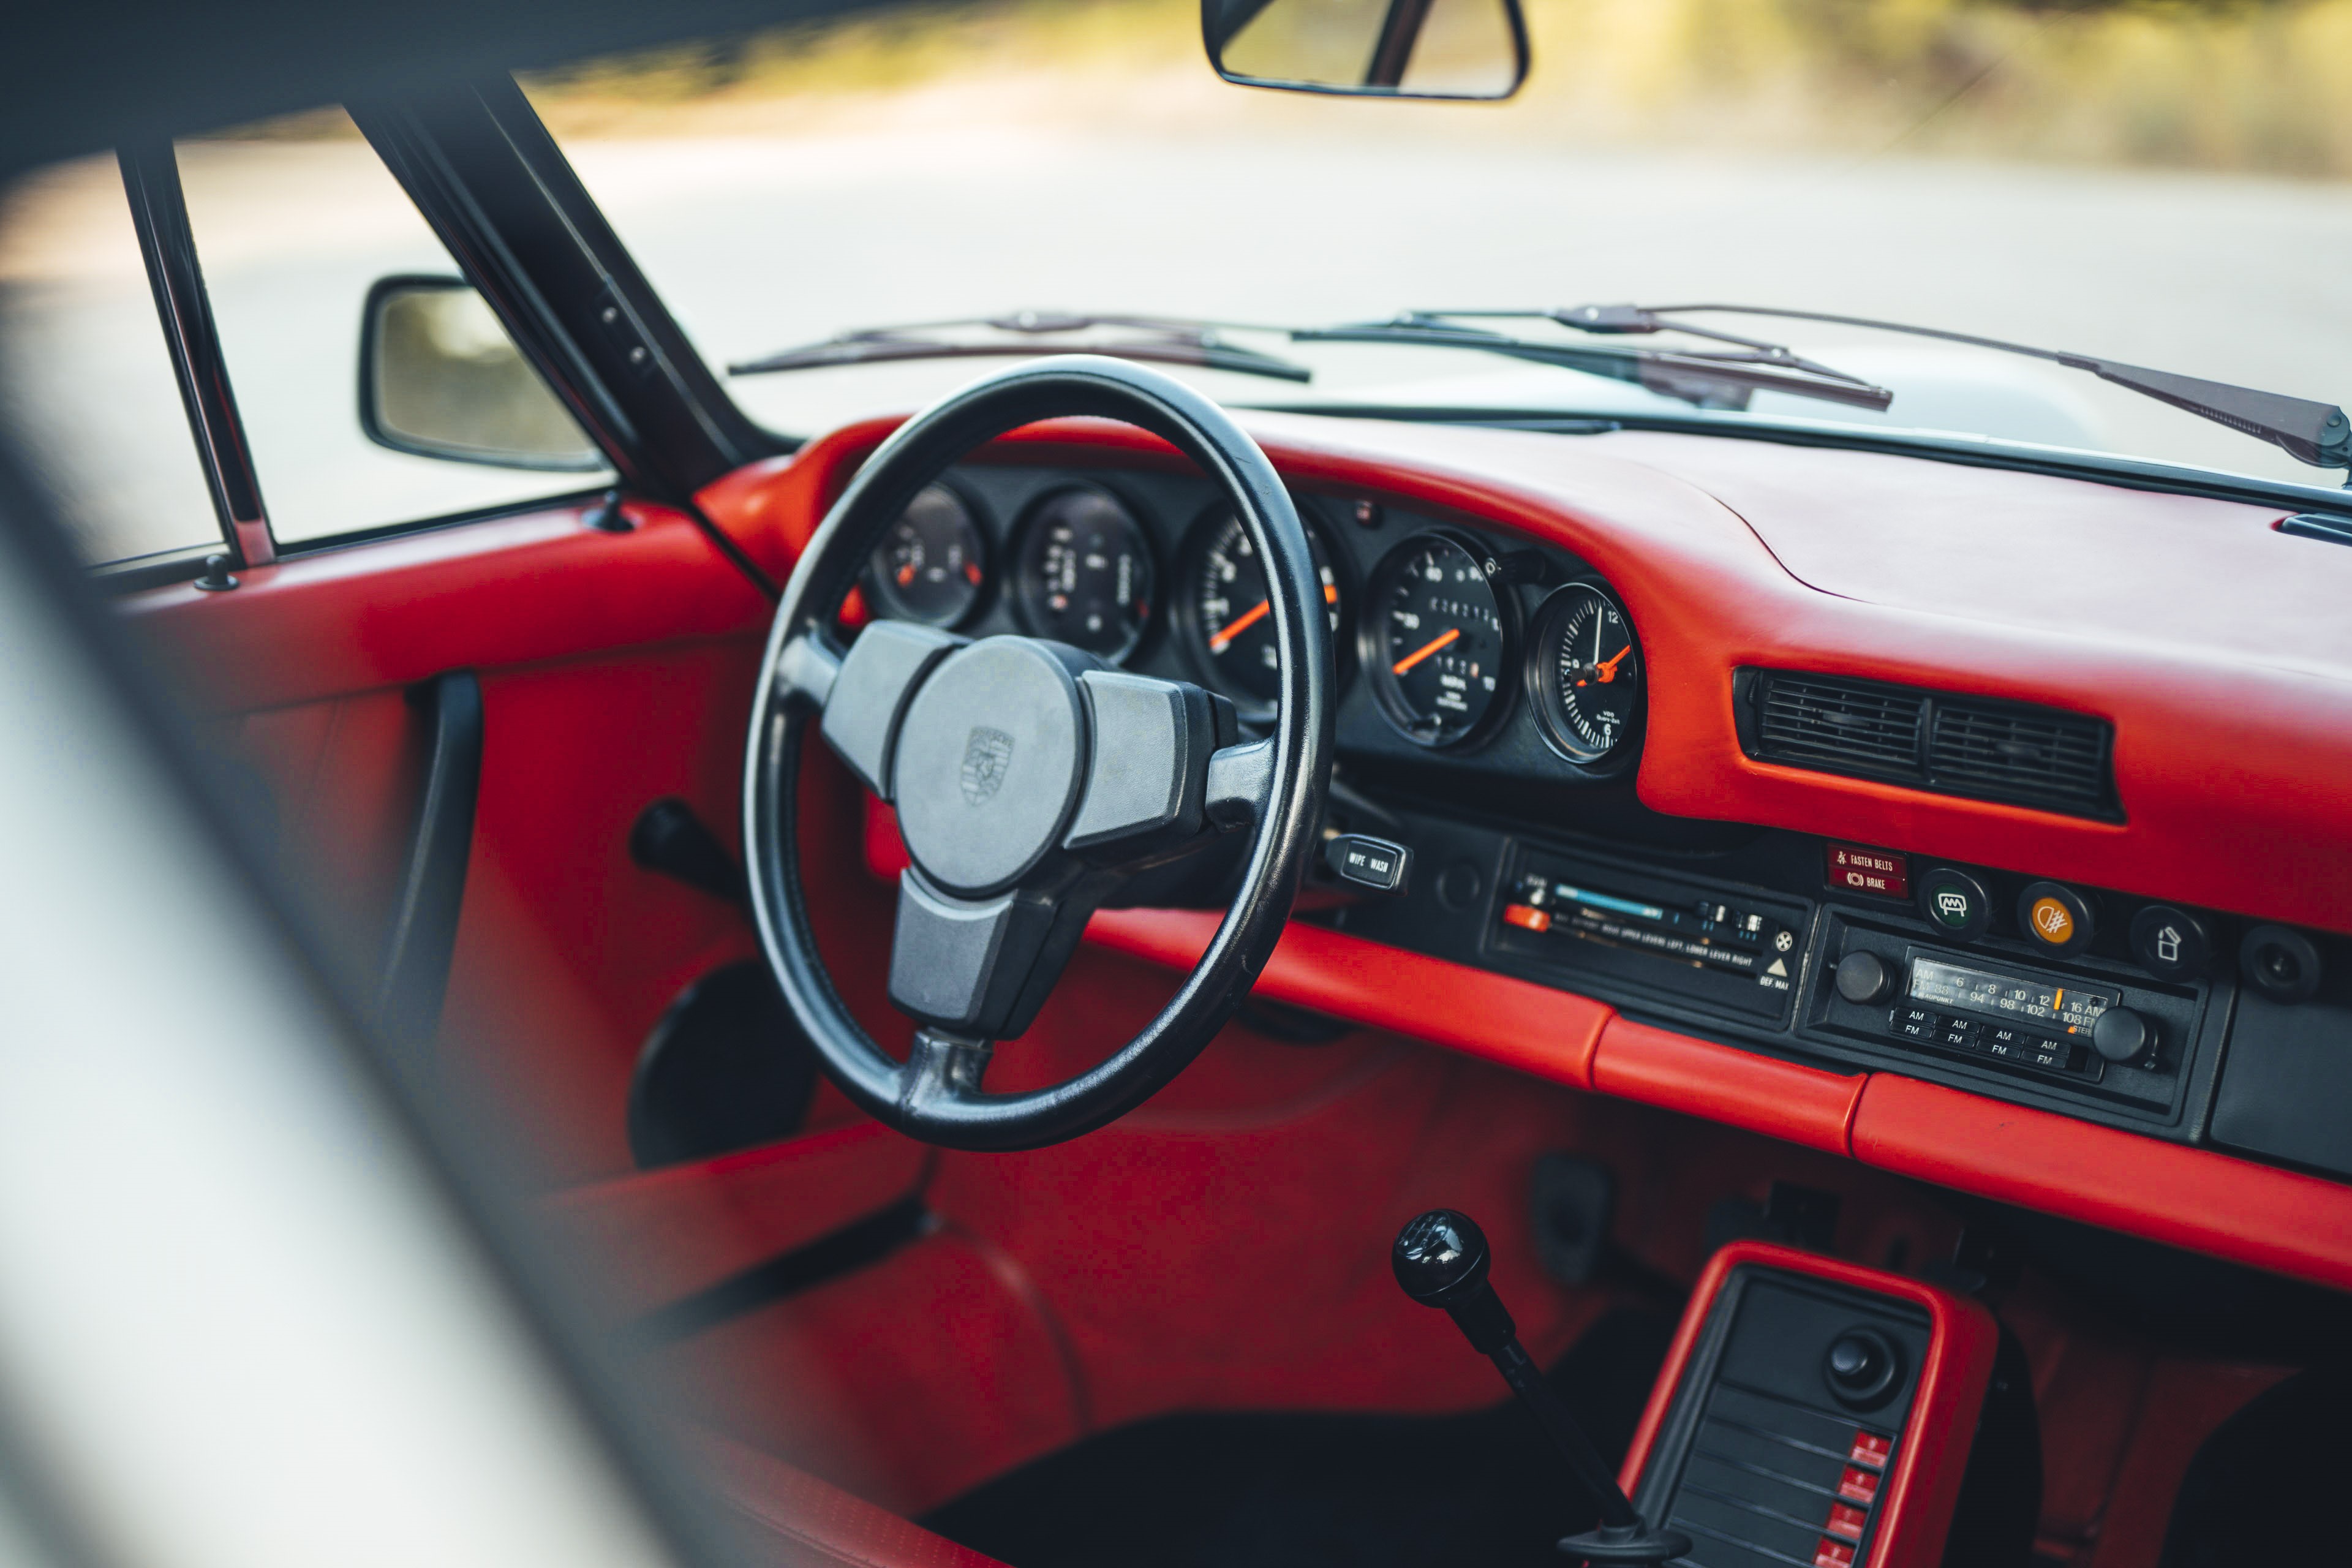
1385 48
440 378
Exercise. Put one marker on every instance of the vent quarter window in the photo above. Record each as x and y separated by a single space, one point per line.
1978 747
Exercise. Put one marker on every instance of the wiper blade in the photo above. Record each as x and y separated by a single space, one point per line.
1161 341
2315 433
1707 379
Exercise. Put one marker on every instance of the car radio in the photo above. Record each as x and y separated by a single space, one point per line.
2089 1030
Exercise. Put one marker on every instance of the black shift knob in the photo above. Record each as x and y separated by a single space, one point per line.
1440 1258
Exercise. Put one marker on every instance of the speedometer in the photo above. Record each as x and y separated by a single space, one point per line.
1585 679
1439 639
1226 614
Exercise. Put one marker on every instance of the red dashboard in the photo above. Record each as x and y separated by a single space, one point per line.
2209 640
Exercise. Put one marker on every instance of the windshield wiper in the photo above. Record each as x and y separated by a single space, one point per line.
1709 379
1706 380
2314 433
1162 340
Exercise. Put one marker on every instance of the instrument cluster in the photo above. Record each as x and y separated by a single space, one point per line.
1473 650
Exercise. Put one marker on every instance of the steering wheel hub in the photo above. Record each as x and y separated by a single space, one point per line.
991 758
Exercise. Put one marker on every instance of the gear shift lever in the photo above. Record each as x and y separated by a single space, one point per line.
1441 1260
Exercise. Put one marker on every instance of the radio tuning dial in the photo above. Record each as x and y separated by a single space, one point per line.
1862 978
2122 1035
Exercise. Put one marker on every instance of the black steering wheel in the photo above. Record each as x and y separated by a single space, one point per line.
1031 779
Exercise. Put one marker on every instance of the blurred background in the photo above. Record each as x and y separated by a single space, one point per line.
2164 184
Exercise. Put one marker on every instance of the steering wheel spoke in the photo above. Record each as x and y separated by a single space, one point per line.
1148 744
1240 785
980 968
867 697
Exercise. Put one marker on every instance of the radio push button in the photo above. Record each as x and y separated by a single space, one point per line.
1960 1035
2054 917
1955 903
1916 1025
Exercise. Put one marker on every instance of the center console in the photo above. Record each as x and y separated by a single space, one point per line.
1818 1413
2107 1007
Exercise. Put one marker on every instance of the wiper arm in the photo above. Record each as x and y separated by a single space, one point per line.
2314 433
1161 341
1707 379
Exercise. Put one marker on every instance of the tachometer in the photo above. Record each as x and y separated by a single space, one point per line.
932 565
1226 614
1585 679
1086 574
1439 639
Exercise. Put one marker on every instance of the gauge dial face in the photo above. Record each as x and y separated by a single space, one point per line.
1585 675
1232 621
932 565
1439 641
1086 574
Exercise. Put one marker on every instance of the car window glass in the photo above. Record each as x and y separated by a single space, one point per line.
294 219
86 385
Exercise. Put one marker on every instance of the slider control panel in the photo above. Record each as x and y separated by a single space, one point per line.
1788 1423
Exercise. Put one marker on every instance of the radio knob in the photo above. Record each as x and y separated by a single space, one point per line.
2122 1035
1862 978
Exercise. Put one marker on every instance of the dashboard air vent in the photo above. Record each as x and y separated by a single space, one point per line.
1839 724
2028 753
1976 746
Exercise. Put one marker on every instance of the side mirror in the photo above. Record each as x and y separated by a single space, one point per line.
440 378
1383 48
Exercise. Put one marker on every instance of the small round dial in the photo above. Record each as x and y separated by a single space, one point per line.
932 565
1086 574
1585 679
1229 618
1438 639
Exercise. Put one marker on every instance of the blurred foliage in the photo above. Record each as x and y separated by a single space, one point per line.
2256 85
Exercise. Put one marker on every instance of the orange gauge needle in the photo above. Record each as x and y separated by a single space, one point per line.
1239 624
1425 650
1330 592
906 573
1608 672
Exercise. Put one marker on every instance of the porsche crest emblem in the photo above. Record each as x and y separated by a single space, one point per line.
986 754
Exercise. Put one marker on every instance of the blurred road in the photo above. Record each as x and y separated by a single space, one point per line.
763 243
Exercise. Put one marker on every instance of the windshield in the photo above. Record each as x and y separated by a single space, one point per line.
2159 186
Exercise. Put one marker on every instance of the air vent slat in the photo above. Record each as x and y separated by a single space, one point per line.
1951 744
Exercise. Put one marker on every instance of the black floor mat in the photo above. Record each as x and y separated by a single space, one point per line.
2264 1488
1298 1491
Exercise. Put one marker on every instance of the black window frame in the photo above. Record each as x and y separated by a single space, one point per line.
491 184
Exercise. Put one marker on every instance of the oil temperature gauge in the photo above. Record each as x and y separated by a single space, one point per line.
933 563
1585 679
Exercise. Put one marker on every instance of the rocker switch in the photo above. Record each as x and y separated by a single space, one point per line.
1375 865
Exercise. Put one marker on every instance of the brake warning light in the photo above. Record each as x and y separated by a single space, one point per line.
1858 868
